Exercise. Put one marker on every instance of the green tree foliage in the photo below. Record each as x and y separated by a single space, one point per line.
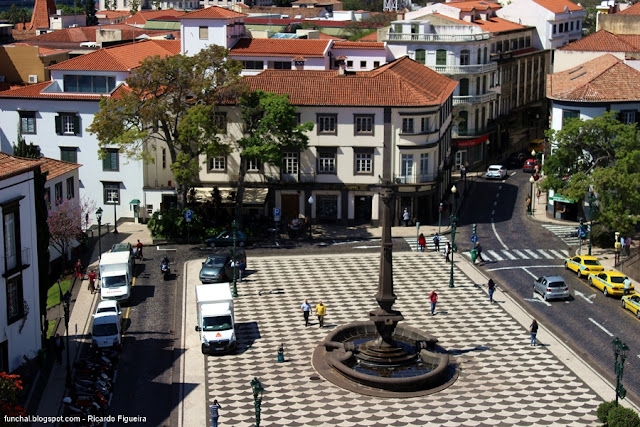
359 29
30 151
282 3
270 127
600 155
603 411
370 5
620 416
70 10
16 14
171 102
90 11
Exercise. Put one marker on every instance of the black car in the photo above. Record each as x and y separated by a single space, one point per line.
516 159
225 238
218 266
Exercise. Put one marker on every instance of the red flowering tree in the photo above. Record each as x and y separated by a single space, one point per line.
65 222
10 385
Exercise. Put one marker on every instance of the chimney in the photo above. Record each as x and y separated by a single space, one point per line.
342 64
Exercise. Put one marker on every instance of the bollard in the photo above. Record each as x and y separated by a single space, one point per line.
281 353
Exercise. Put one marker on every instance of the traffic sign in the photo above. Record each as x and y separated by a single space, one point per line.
474 238
188 214
276 214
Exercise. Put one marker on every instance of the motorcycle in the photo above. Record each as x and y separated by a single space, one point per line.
165 268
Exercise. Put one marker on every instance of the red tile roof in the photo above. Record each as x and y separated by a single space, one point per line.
558 6
292 12
36 91
40 15
88 34
468 6
632 10
42 51
15 165
402 83
325 36
110 14
604 41
280 47
498 25
592 82
371 37
12 166
142 16
123 57
357 45
213 12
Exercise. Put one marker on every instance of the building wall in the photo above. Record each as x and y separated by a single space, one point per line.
619 24
219 33
58 22
23 338
17 63
567 59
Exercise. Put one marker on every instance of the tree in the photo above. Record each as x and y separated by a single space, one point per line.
42 239
90 12
21 149
172 101
65 222
10 386
16 14
600 155
270 129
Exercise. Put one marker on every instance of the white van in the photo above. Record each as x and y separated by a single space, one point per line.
106 330
116 276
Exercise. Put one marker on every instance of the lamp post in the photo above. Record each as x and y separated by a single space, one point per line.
531 181
66 300
537 124
115 219
310 200
440 208
487 156
99 218
619 349
591 209
454 191
454 220
417 236
466 165
533 153
234 229
257 397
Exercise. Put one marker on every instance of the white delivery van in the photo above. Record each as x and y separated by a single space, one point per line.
215 318
106 330
116 276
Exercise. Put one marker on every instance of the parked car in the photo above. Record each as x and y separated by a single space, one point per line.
516 159
632 303
109 306
551 287
609 282
496 171
106 330
217 267
226 239
530 165
583 265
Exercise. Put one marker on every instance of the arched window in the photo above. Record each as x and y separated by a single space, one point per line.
484 84
479 61
478 85
464 87
441 57
485 55
421 56
465 57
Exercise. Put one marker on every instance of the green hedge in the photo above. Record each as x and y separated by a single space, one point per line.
617 416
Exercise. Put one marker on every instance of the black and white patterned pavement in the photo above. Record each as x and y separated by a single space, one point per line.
503 380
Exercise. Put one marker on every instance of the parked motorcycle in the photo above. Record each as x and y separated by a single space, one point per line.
165 268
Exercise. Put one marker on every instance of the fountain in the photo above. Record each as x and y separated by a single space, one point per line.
378 357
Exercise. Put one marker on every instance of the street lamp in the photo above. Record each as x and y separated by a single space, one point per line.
310 200
454 220
99 218
234 228
257 397
619 349
466 165
417 236
531 181
591 209
115 219
487 156
537 124
66 300
440 208
533 153
454 191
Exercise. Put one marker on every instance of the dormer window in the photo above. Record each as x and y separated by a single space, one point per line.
88 84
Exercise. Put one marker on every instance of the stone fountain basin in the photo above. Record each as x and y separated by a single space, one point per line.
330 357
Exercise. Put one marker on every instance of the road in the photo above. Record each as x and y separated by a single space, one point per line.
589 321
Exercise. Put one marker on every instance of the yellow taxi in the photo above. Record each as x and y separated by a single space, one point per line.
632 303
609 282
583 265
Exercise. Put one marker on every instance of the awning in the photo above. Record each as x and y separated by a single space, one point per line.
470 142
134 202
561 199
252 196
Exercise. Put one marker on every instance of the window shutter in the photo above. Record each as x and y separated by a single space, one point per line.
106 162
59 125
76 125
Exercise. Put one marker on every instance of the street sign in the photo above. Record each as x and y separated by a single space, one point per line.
188 214
276 214
474 238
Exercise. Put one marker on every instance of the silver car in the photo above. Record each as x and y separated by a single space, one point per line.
496 171
551 287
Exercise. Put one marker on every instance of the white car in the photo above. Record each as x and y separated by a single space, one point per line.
109 307
496 171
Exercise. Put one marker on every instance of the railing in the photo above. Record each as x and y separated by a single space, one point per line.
464 69
14 262
474 99
405 37
415 179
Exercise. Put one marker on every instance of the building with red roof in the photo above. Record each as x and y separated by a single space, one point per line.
622 46
21 63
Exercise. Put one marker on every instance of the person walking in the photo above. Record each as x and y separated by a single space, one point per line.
59 347
213 412
78 269
538 196
241 268
139 246
533 328
92 280
447 252
479 251
405 217
305 308
627 286
627 246
436 242
321 311
617 247
491 286
433 299
422 242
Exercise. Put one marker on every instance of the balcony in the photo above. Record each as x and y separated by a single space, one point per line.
415 179
411 37
464 69
474 99
17 262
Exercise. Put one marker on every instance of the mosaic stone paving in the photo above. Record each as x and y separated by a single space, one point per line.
503 380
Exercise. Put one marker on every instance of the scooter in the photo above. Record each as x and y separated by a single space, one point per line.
165 268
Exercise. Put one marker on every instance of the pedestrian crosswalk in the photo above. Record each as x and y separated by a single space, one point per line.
568 233
499 254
